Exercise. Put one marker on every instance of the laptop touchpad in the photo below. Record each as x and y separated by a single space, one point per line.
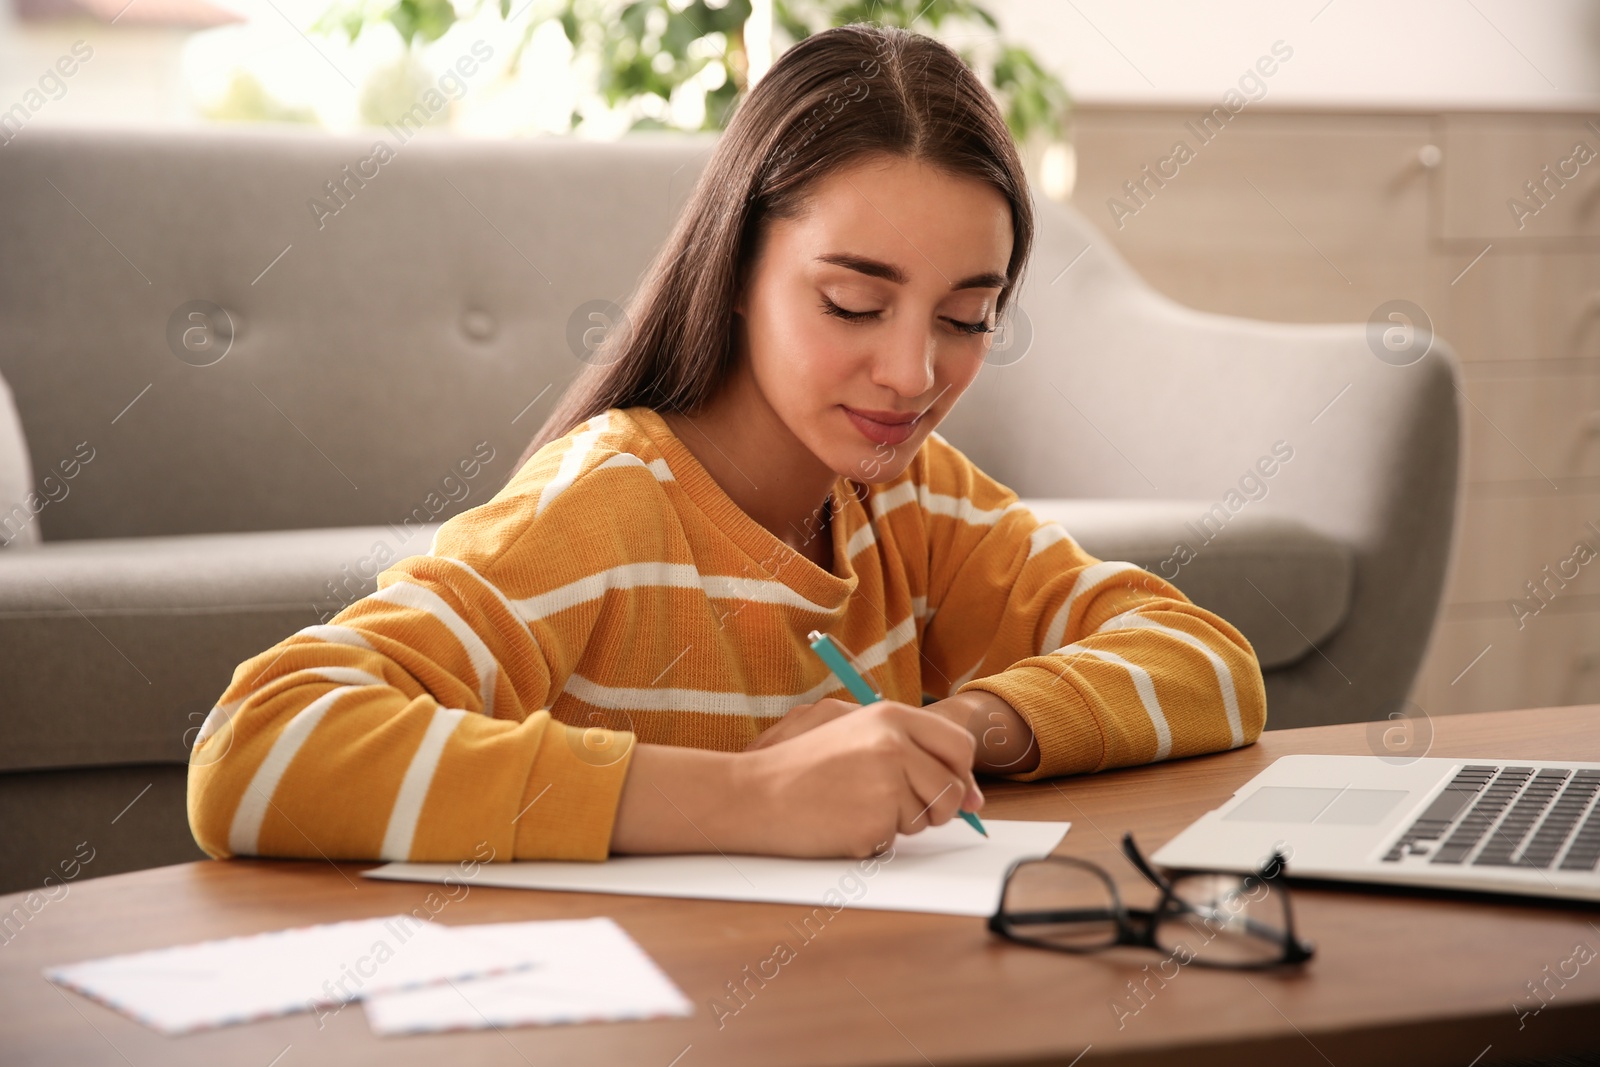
1343 807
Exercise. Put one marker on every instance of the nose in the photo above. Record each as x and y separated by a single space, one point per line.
905 362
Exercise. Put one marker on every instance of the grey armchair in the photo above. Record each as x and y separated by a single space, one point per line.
389 360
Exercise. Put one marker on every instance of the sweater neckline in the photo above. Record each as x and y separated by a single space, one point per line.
768 554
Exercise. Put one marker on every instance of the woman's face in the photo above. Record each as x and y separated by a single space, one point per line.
917 259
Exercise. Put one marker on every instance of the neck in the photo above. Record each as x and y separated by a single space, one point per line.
759 463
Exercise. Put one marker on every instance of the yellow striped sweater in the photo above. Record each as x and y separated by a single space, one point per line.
490 692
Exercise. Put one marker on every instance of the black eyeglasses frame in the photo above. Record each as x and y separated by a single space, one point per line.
1136 927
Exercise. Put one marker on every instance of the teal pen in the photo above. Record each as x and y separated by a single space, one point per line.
823 646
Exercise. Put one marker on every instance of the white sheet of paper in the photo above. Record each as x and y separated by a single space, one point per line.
583 970
184 988
950 869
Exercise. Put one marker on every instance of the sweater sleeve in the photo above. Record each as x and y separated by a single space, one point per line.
413 725
1109 664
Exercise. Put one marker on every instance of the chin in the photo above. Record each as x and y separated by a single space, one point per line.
880 477
883 465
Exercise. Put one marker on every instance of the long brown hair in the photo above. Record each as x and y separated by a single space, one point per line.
830 100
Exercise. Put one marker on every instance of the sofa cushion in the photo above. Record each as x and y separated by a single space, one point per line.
161 623
1284 585
18 506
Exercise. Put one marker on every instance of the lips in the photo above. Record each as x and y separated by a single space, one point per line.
884 427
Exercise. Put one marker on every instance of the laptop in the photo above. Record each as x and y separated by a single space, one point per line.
1528 827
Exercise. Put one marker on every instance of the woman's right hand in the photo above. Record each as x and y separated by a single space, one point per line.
846 787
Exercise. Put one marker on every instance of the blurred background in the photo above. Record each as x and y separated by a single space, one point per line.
1313 161
1327 195
564 66
1362 152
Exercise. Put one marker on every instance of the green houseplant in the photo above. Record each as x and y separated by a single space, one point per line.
659 48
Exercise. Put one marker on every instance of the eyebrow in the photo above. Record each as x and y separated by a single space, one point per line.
889 272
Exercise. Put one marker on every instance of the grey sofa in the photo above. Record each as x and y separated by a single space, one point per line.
169 513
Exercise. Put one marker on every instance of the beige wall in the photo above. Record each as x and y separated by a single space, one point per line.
1349 53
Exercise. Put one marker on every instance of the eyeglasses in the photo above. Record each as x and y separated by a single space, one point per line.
1213 918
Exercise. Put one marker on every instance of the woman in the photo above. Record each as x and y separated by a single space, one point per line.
611 655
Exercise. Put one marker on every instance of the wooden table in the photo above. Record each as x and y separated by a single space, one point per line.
1399 978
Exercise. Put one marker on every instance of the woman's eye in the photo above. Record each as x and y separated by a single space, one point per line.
971 327
829 307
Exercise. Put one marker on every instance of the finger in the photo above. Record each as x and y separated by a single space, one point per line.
786 722
800 718
951 744
810 716
766 730
935 793
773 735
828 709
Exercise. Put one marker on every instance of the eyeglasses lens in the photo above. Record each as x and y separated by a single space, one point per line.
1224 919
1061 904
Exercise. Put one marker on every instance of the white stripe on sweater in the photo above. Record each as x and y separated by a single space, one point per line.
334 634
505 602
402 828
657 467
889 499
216 718
717 702
244 835
1047 534
708 701
572 462
408 594
659 574
1089 578
593 586
1131 620
738 587
221 714
903 633
957 507
1143 685
960 507
861 539
343 675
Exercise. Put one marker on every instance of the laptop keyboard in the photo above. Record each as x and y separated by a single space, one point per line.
1514 817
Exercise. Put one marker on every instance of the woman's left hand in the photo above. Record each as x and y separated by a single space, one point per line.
1005 741
799 719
